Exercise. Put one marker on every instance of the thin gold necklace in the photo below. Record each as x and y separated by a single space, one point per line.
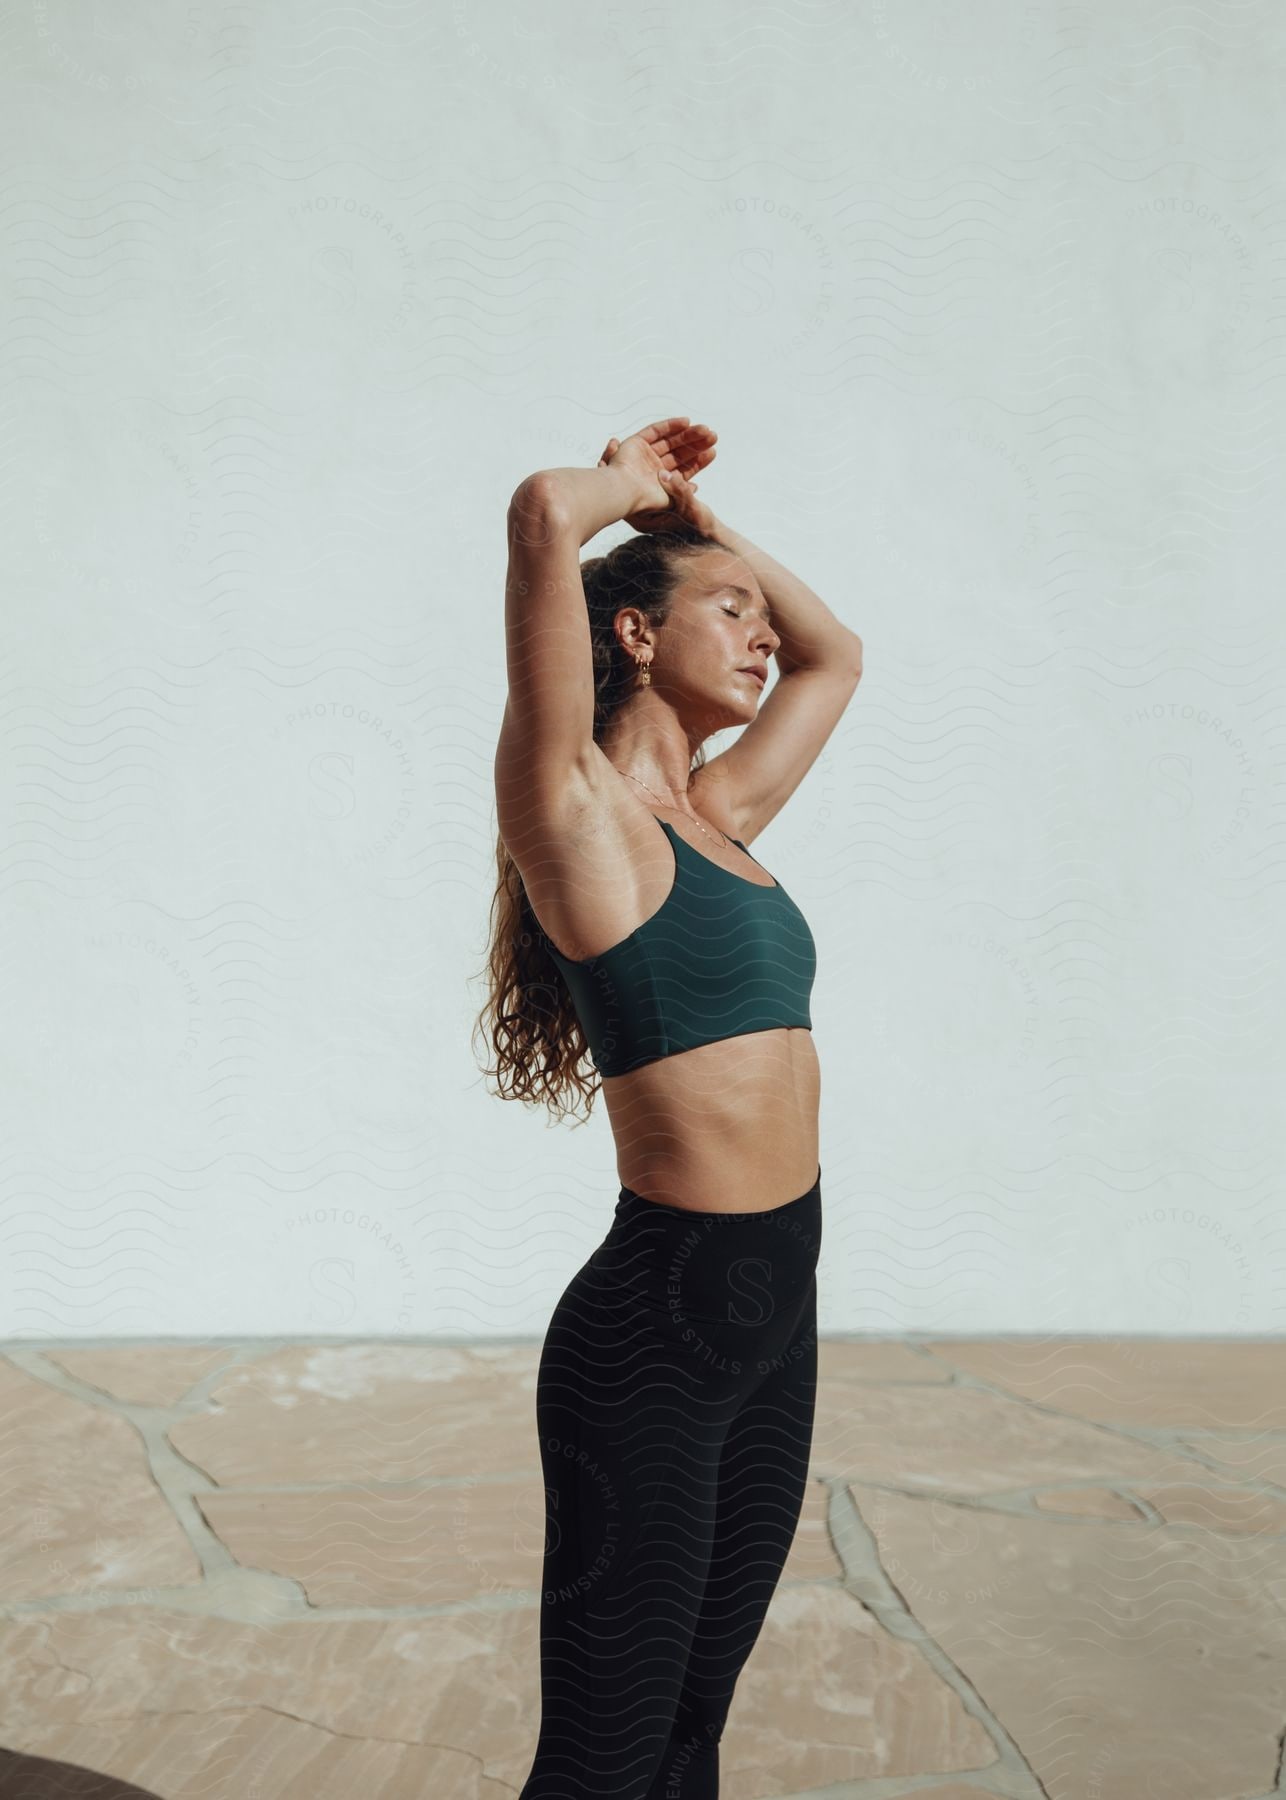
672 806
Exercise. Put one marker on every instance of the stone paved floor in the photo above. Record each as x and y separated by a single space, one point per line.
307 1572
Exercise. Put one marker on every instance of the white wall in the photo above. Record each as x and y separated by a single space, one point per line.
986 305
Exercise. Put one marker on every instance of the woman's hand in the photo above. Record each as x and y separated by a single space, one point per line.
683 505
666 456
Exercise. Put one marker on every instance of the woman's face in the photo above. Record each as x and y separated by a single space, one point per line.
717 628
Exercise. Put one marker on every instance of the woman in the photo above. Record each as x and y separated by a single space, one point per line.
675 1387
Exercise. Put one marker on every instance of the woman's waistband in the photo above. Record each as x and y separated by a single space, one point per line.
628 1194
724 1265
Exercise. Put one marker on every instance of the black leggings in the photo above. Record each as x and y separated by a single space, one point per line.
674 1403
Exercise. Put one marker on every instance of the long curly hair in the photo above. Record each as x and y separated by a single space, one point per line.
541 1052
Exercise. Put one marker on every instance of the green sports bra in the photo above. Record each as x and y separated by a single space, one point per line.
720 957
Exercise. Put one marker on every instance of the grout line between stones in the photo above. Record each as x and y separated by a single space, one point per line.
870 1584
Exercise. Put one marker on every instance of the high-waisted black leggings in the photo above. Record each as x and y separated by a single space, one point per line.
674 1403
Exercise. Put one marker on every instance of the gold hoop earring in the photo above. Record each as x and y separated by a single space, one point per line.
644 675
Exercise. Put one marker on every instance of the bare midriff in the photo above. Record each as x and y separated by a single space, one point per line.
727 1127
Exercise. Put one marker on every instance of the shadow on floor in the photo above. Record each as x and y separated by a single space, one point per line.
36 1778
